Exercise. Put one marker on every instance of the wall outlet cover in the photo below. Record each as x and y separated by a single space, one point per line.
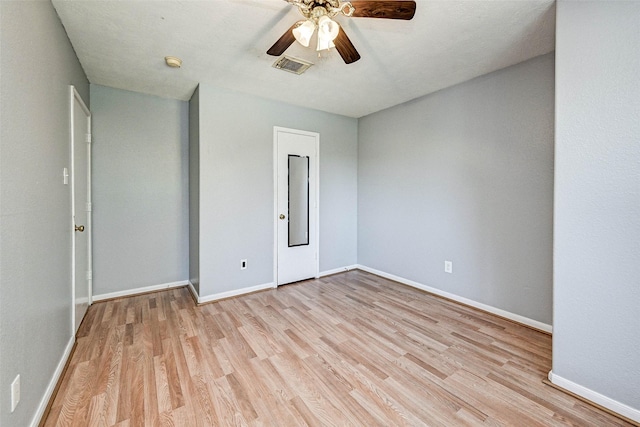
448 267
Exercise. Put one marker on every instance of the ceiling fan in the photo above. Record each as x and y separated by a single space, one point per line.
319 13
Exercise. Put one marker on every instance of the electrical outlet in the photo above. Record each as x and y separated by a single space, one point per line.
15 393
448 267
243 264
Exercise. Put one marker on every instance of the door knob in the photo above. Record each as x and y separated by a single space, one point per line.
80 228
281 216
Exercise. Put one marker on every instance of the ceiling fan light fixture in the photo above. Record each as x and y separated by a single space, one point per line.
328 30
324 43
304 31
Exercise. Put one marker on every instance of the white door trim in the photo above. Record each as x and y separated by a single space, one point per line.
316 207
73 98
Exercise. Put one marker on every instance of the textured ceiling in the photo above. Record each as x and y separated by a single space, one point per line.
122 44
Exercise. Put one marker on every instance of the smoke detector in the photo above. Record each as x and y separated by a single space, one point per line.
173 62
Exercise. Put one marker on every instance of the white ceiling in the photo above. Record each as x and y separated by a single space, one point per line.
122 44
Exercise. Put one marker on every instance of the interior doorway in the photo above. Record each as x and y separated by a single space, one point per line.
80 130
296 201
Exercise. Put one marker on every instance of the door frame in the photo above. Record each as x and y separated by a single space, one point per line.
316 207
74 97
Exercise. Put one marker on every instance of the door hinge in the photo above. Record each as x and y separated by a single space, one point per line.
89 275
89 207
88 138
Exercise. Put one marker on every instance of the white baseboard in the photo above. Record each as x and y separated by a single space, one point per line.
229 294
497 311
52 384
194 293
136 291
337 270
595 397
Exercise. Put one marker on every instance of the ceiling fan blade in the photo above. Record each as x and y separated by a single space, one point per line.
345 48
284 42
389 9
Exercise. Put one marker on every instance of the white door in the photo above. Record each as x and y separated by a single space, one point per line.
296 160
81 206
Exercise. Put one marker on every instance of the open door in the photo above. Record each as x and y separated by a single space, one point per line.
296 181
80 129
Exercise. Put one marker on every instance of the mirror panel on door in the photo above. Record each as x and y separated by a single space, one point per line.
298 200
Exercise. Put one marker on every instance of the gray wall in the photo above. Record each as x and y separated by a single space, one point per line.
194 190
37 67
596 340
466 175
236 187
140 190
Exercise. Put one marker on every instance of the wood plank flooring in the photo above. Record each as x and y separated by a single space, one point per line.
350 349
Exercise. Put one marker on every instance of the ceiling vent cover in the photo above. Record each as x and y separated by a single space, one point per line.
292 65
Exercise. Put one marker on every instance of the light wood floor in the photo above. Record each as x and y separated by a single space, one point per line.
350 349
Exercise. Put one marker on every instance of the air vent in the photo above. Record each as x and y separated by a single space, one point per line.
292 65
